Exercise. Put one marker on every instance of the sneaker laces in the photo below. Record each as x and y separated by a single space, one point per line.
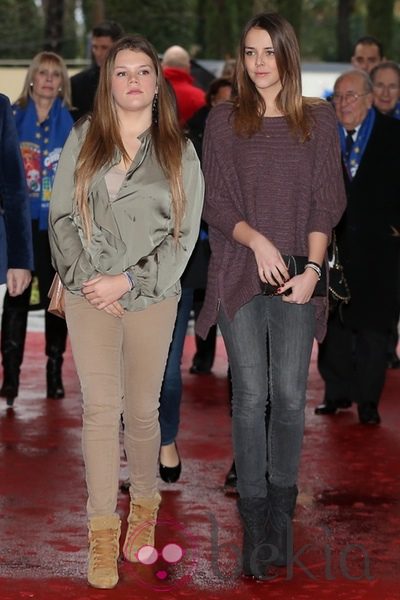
101 542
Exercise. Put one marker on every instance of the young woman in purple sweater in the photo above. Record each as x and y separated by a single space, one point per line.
274 187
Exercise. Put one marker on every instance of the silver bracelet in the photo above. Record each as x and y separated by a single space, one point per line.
129 278
315 268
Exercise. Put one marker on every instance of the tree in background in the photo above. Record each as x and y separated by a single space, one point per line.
290 9
380 22
70 46
221 29
327 29
53 25
345 11
21 29
163 22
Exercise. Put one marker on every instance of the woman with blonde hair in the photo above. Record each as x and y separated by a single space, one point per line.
274 189
43 124
124 218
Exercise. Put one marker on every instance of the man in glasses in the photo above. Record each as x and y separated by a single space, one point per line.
352 359
385 79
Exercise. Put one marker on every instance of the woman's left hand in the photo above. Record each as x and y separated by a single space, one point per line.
302 287
103 290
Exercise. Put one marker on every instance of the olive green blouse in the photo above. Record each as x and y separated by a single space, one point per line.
133 232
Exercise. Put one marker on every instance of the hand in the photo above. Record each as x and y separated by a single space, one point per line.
103 290
302 287
17 281
270 264
115 309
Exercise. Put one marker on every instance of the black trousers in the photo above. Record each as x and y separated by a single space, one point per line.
17 307
352 363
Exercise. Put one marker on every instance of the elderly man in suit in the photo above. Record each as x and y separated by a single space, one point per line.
352 359
16 255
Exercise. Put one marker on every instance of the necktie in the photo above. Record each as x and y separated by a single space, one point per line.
349 143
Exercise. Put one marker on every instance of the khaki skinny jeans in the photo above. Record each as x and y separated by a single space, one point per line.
120 364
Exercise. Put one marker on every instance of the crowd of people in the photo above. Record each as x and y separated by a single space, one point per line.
103 178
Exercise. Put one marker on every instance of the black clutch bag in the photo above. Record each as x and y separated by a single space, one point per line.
295 265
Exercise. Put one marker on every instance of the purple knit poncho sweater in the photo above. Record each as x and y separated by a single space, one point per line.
281 187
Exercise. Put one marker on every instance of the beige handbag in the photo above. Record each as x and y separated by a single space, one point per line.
56 295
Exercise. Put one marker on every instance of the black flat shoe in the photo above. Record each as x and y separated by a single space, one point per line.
393 361
231 480
330 408
9 393
124 486
171 474
368 414
195 370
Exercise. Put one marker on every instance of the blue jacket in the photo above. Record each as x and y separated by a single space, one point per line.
15 219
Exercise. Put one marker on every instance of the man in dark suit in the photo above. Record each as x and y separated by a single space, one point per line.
16 254
352 359
84 84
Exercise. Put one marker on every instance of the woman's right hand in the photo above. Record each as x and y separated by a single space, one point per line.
270 264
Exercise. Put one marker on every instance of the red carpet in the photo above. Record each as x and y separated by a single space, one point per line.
347 522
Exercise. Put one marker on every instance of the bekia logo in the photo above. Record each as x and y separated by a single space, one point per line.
169 564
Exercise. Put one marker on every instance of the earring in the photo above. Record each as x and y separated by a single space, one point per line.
31 85
154 109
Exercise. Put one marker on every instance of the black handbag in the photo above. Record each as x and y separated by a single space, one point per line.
295 265
339 292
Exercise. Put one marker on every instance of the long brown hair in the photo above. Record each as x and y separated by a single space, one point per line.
249 105
103 135
37 61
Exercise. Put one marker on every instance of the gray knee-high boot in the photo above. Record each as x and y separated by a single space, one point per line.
253 512
279 531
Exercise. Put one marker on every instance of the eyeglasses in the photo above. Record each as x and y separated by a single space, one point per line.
391 88
348 97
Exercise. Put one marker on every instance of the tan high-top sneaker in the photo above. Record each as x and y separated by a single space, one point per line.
104 532
141 524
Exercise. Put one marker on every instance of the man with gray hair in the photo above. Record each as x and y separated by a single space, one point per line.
176 67
352 358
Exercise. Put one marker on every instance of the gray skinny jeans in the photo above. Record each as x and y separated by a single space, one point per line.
269 345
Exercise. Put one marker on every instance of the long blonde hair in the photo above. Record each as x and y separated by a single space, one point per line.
37 61
249 105
103 135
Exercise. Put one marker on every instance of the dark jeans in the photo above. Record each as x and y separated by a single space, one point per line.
352 363
171 391
269 345
203 358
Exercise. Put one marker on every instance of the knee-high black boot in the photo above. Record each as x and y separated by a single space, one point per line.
13 334
279 533
256 552
56 336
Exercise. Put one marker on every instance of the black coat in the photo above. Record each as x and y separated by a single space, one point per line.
15 217
83 89
368 249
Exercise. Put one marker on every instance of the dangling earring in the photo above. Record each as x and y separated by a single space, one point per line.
154 109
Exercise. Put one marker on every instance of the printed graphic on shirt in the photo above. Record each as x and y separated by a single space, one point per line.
39 177
31 157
